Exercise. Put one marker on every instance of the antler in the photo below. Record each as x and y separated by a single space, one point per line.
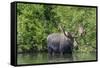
81 30
62 30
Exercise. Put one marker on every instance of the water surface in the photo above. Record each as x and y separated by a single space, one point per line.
38 58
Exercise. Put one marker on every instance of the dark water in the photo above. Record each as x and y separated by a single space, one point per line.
37 58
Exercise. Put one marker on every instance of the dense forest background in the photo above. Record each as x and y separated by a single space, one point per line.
36 21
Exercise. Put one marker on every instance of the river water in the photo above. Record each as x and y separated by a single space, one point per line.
40 58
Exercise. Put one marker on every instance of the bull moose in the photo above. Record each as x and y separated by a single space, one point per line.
60 42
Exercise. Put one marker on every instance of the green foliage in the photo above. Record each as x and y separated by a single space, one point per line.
36 21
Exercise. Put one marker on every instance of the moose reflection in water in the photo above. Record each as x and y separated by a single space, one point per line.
60 58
